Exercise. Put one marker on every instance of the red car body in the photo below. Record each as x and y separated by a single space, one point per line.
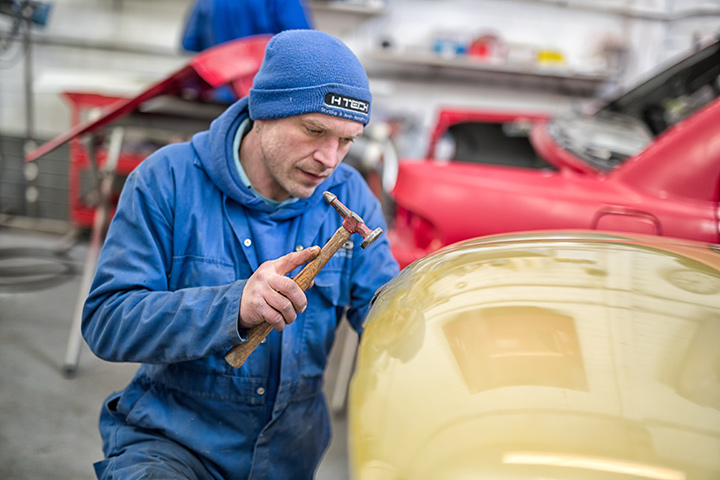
666 183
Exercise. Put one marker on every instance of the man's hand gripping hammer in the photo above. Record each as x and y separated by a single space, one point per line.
352 223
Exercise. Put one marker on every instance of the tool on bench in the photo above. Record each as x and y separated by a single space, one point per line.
352 223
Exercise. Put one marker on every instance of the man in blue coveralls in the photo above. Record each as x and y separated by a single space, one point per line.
197 253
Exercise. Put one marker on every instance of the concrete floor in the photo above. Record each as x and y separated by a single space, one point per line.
48 420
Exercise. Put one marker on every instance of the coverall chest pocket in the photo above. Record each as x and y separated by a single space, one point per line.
333 282
327 300
193 271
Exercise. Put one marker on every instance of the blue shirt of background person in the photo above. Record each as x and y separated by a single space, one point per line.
212 22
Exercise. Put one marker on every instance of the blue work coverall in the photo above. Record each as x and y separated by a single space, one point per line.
186 236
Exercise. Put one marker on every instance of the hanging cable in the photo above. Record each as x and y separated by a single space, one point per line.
23 15
27 269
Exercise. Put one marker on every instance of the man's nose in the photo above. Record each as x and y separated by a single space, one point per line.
328 152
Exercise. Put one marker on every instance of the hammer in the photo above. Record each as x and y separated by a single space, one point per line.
352 223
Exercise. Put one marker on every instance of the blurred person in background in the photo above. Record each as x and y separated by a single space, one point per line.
212 22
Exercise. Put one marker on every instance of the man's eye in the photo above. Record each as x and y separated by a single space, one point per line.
314 131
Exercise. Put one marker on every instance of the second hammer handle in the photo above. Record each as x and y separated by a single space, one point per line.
237 355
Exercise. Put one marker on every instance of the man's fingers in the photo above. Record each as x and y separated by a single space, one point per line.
271 296
288 263
292 292
265 304
282 311
274 318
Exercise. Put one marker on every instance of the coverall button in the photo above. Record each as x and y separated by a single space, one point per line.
264 340
298 248
260 391
247 242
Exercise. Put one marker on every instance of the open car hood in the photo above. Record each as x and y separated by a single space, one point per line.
603 136
233 64
680 78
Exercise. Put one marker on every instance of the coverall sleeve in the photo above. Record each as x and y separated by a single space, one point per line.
130 314
372 267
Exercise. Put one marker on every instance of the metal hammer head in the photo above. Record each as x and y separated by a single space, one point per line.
352 221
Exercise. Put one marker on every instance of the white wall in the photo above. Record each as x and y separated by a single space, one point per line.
103 46
653 31
121 46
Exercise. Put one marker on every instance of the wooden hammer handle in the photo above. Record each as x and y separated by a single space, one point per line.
237 355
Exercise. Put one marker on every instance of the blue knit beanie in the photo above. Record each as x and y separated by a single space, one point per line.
309 71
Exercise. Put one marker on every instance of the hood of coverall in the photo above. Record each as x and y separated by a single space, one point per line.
214 151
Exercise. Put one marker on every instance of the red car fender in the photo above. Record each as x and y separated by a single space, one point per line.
683 161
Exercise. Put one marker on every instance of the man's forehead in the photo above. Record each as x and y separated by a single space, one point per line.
329 122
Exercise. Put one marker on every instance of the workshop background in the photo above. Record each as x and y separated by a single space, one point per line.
540 56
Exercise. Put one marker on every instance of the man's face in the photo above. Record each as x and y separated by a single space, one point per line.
300 152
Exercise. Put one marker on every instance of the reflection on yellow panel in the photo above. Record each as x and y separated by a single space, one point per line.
516 345
543 356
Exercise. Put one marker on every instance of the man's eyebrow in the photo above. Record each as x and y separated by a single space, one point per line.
316 125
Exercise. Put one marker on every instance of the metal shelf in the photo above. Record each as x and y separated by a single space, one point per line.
414 64
351 7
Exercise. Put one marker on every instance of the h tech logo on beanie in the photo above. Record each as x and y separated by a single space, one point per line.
308 71
341 101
